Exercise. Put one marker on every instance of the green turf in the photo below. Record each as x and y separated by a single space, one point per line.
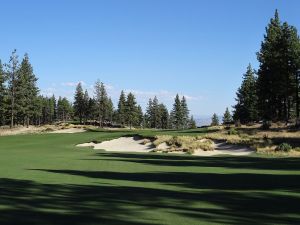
45 179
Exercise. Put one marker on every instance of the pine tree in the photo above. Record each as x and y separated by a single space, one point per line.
177 114
39 110
140 116
227 118
131 110
121 117
52 109
164 116
60 112
192 123
110 110
185 113
2 95
156 116
277 79
246 108
64 109
26 91
92 109
215 120
79 102
86 99
12 72
101 101
149 115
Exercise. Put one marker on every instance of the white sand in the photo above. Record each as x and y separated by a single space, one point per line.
123 144
68 131
223 148
134 144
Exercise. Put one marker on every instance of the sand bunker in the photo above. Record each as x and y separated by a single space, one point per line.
123 144
136 144
222 148
68 131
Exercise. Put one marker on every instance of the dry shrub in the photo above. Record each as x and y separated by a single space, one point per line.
271 151
162 139
49 129
185 143
146 141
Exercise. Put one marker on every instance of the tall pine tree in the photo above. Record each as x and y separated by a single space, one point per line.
79 103
121 114
12 69
227 118
246 108
215 120
177 114
131 110
27 91
185 113
101 101
279 62
2 95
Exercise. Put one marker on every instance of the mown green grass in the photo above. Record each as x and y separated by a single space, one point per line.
45 179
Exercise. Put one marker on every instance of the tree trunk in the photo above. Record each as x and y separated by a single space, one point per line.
27 121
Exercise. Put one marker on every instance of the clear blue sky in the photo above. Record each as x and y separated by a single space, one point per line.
153 47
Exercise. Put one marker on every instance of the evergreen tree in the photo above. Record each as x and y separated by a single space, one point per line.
39 110
101 101
92 109
26 91
131 110
79 102
185 113
2 95
227 118
192 123
110 110
164 116
277 80
149 115
12 69
64 109
156 116
140 116
246 108
121 117
177 114
60 112
52 109
215 120
86 99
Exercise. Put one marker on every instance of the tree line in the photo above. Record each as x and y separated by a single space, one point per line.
272 92
100 109
22 104
20 101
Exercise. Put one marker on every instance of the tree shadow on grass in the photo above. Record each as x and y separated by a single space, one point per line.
234 162
27 202
236 181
